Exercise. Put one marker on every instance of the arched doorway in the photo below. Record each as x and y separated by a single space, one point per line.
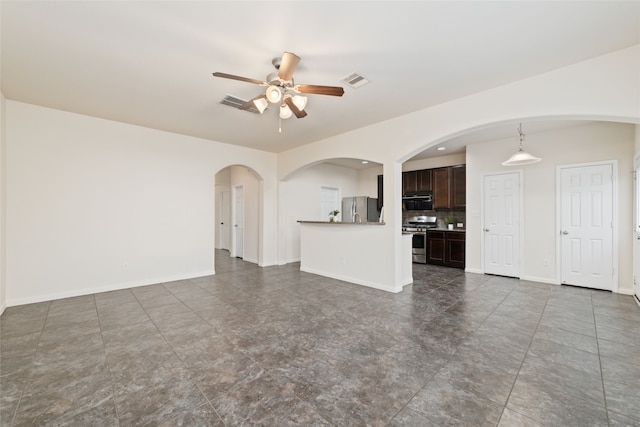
237 214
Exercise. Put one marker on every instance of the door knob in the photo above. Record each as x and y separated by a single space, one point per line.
565 232
486 230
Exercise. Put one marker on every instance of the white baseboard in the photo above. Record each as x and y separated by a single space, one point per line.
540 280
113 287
2 307
473 270
378 286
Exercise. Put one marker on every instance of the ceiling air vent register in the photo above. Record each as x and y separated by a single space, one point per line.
355 80
235 102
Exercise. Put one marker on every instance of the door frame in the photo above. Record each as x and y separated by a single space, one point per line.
614 216
520 174
636 229
234 246
224 210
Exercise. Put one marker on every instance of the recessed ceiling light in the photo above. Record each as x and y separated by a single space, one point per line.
441 148
364 162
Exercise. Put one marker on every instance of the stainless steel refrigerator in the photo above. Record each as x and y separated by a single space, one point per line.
360 209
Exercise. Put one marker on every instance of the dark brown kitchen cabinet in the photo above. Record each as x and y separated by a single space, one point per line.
441 188
454 253
436 244
450 187
446 248
458 187
416 181
424 180
380 191
409 182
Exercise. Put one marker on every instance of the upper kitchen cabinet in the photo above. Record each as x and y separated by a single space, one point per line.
441 188
458 187
449 187
414 182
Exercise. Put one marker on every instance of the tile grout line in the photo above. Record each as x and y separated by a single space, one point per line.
106 359
28 382
595 327
176 354
524 358
445 363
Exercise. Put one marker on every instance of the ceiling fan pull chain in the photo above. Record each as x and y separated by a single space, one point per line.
279 125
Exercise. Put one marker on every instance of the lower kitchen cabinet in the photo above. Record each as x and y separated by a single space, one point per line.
446 248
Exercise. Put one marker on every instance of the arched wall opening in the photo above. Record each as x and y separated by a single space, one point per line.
539 122
587 139
238 214
302 193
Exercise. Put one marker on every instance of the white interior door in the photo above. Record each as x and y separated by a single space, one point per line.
225 220
238 222
501 217
586 226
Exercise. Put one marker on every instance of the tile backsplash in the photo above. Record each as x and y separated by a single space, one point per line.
460 217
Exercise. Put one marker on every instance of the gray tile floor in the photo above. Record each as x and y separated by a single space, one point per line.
275 346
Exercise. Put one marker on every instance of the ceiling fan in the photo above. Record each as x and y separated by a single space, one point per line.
282 90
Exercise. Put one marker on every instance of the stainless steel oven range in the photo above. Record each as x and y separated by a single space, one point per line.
418 226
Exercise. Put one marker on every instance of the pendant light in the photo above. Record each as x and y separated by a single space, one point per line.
521 157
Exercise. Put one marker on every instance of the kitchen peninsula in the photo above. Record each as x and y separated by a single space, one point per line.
354 252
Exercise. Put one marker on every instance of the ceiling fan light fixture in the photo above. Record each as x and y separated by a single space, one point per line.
521 157
300 101
261 104
273 94
285 111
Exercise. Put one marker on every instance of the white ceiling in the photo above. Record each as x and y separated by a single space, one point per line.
150 63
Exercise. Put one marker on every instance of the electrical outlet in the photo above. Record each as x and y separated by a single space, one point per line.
546 262
344 260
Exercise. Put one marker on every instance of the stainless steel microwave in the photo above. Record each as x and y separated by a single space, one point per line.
418 202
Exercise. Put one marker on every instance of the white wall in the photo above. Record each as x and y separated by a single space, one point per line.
576 144
435 162
3 300
636 245
3 181
93 205
368 181
350 252
301 198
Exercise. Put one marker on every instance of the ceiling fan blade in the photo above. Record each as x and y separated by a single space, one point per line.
320 90
288 65
294 108
250 103
242 79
